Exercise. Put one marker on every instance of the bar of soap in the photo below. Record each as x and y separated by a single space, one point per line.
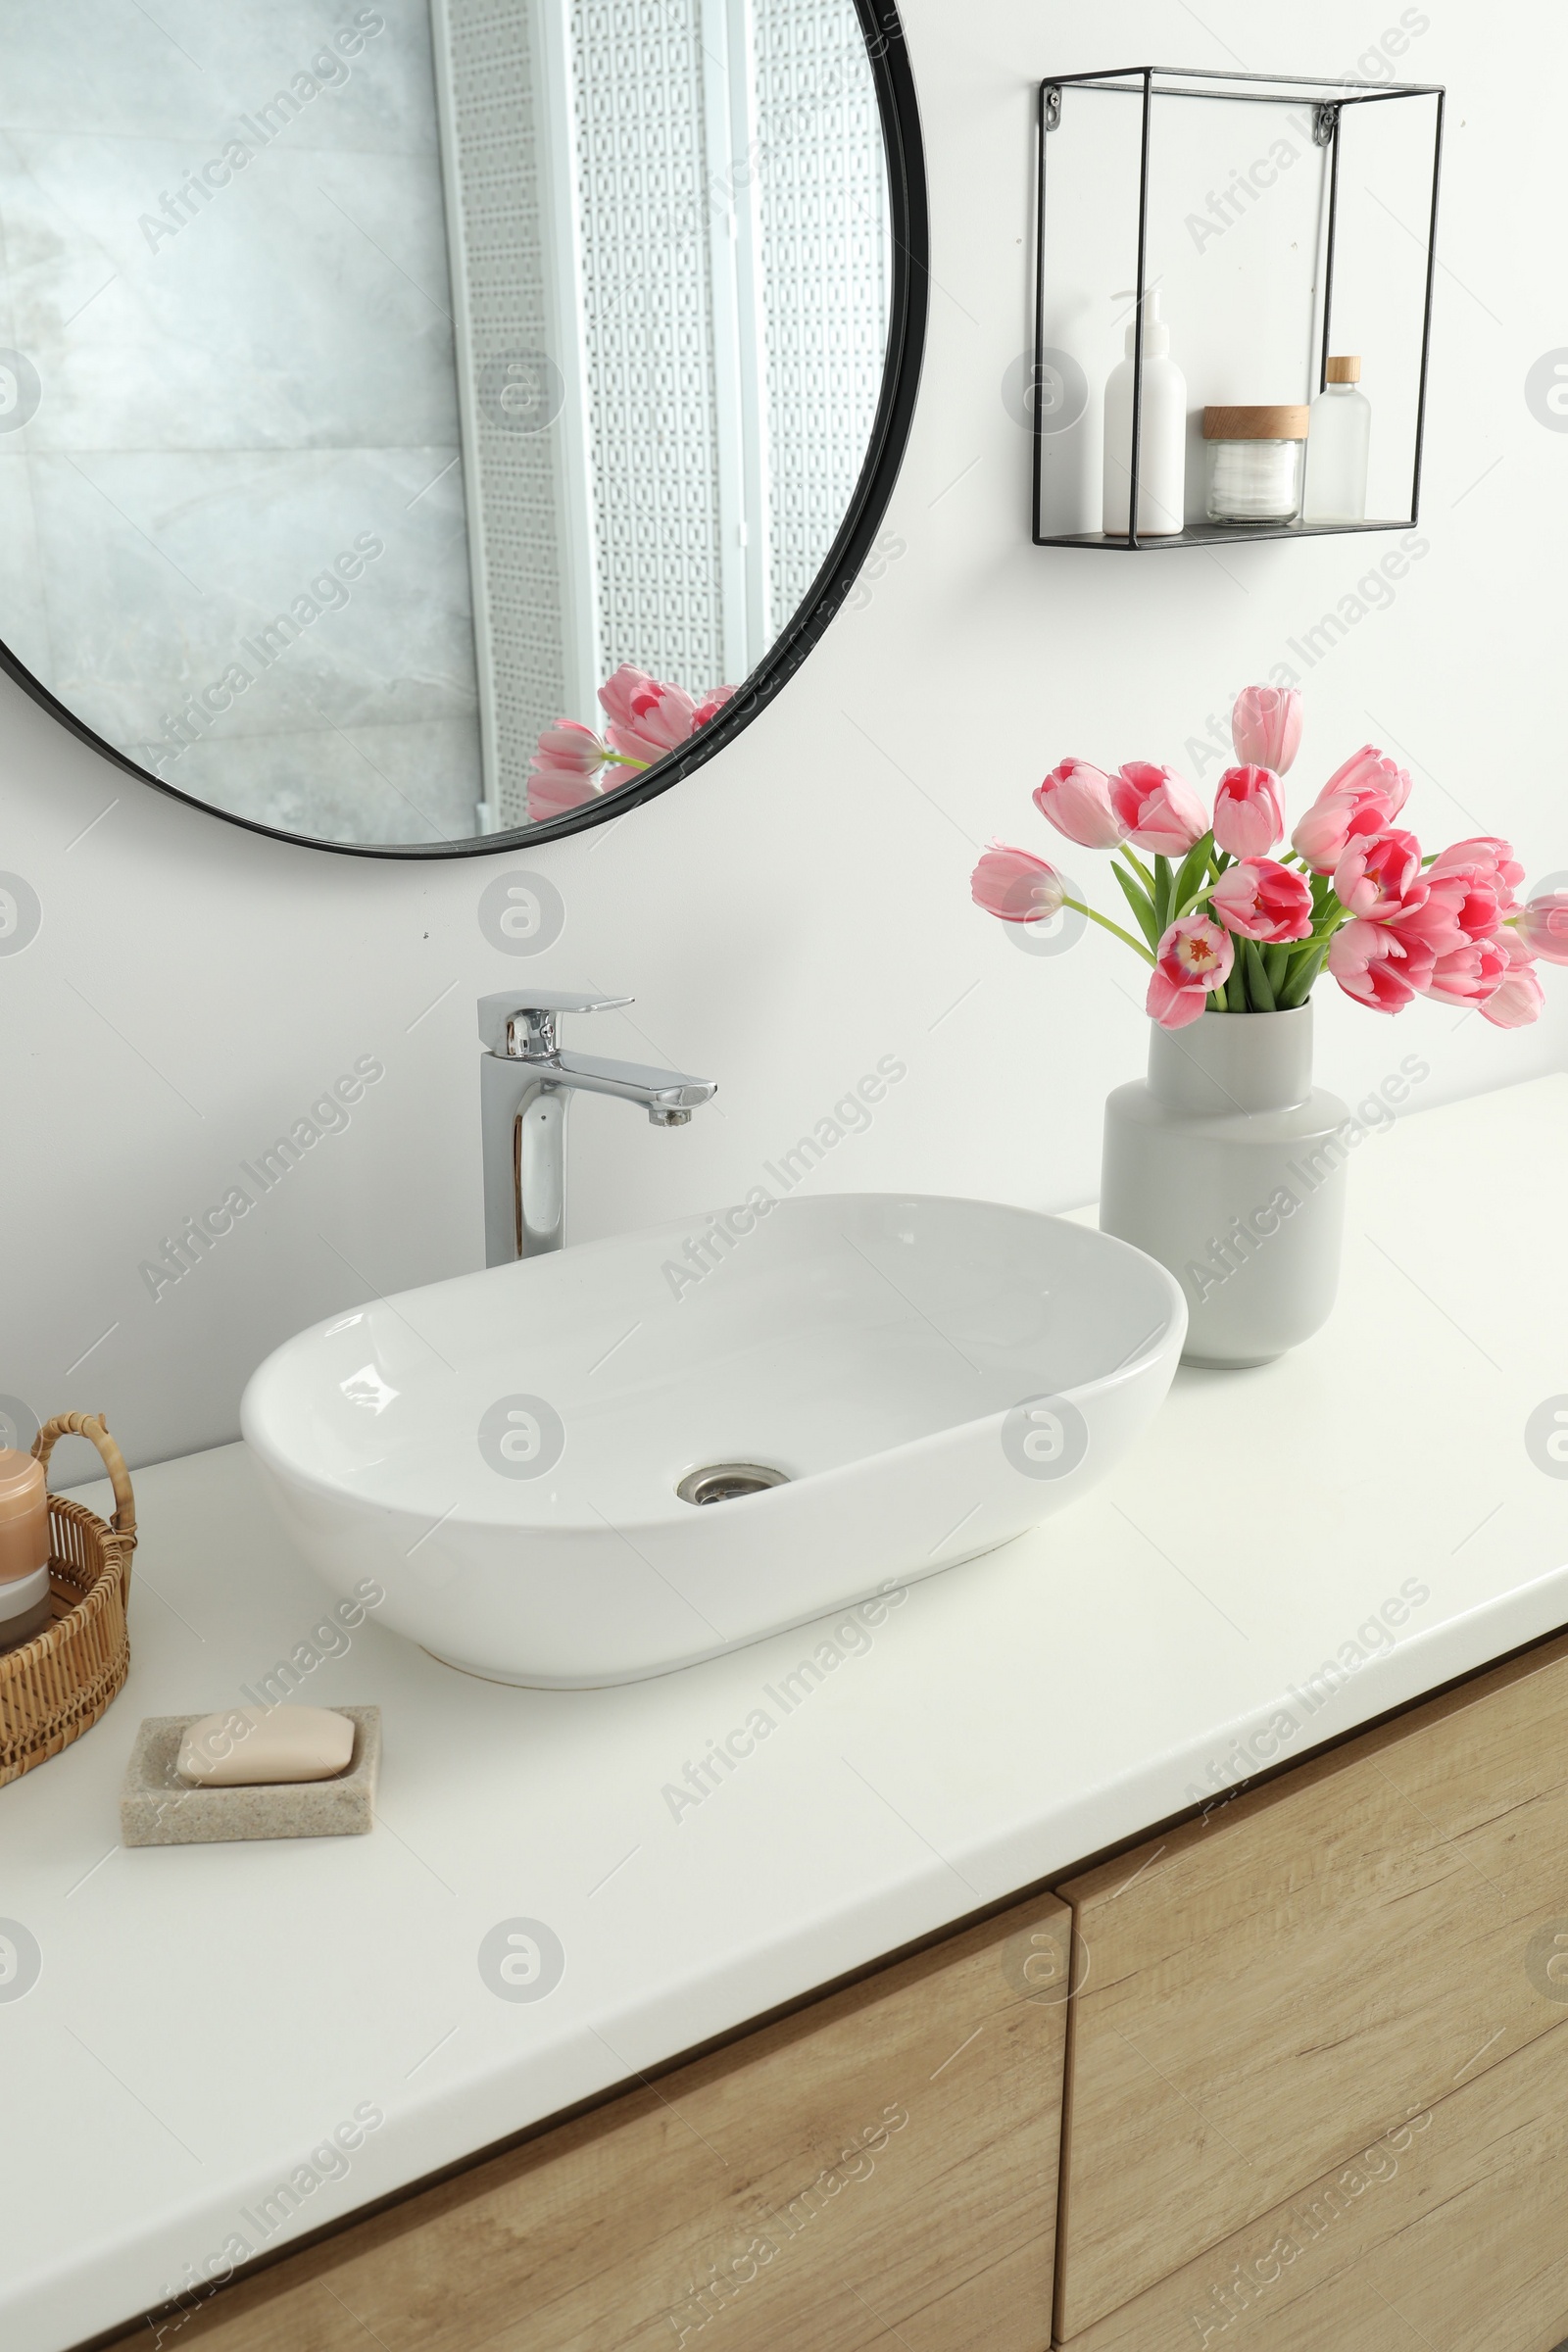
249 1747
157 1808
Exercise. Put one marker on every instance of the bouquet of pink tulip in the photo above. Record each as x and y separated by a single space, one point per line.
1229 927
647 719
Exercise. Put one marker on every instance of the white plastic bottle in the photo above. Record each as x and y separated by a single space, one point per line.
1162 455
1338 442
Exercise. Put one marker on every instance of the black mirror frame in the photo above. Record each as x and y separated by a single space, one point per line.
909 239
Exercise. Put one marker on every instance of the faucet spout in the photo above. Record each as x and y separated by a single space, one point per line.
526 1081
668 1097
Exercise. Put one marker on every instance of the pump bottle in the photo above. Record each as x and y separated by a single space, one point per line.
1162 455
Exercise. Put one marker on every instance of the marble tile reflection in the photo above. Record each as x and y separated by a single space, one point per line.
335 584
375 785
308 306
234 538
23 622
191 70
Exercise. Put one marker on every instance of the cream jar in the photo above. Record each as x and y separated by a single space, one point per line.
25 1609
1254 463
25 1606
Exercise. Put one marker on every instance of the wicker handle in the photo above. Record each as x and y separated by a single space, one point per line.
91 1426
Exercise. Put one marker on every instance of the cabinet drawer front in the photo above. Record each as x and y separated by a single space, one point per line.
881 2166
1270 1991
1453 2232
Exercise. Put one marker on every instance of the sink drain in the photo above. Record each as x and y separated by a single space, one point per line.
721 1482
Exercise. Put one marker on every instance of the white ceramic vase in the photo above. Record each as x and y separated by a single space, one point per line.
1227 1165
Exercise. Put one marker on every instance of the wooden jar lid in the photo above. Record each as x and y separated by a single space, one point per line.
1256 425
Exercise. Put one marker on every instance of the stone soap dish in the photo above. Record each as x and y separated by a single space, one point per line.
159 1808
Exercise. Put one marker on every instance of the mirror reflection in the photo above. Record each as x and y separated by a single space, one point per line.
417 420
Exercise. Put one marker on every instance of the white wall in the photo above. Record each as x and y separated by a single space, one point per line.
800 908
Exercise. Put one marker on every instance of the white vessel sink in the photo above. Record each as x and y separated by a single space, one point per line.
501 1453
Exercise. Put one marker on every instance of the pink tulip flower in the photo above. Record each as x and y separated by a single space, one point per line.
1426 922
564 770
1480 900
1260 899
1158 810
1543 926
710 705
568 750
1447 912
1370 770
1195 955
1364 796
1376 871
650 719
1468 975
1248 811
552 795
647 720
1519 1001
1266 727
1372 965
1015 887
1334 820
1484 853
1075 798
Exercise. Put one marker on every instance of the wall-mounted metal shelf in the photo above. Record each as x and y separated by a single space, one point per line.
1281 219
1215 534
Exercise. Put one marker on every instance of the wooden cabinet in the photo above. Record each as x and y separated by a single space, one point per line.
1318 2036
1452 2236
877 2170
1311 2088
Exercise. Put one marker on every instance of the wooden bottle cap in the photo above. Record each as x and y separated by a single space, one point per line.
1286 423
1344 370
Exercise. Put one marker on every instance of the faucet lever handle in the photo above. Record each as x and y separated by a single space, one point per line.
520 1025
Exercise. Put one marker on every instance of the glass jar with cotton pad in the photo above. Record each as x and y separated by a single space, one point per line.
1254 463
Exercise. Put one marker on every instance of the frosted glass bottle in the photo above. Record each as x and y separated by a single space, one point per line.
1338 443
1162 439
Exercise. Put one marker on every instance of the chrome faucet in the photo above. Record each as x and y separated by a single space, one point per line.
526 1079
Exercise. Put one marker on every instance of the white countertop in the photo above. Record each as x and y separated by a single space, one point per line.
206 2016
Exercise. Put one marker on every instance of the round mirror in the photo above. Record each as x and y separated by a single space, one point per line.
435 419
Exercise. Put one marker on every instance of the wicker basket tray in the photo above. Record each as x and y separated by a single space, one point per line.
53 1689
